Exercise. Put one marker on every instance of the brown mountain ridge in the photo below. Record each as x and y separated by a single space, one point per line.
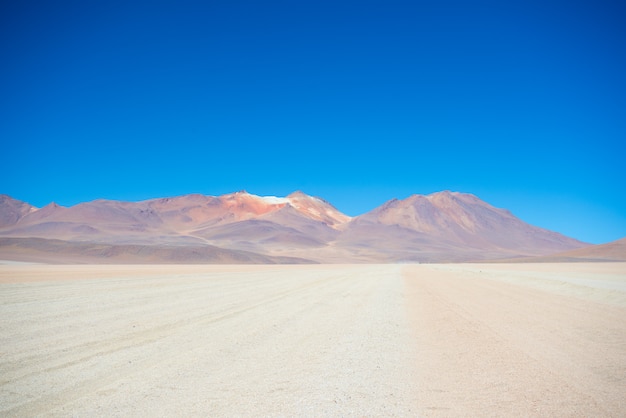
440 227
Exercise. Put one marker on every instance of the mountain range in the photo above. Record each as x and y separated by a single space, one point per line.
245 228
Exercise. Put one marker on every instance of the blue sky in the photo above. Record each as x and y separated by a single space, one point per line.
521 103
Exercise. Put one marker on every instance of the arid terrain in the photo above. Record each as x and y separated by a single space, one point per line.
313 340
242 228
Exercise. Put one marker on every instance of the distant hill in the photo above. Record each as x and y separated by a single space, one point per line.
449 226
612 251
441 227
55 251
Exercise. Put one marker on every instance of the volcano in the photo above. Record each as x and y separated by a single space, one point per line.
440 227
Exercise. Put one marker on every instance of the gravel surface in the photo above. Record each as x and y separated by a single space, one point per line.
321 340
207 341
520 340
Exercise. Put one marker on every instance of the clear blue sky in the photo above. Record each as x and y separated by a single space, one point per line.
521 103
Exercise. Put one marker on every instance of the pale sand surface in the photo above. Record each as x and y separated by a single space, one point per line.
205 341
314 340
520 340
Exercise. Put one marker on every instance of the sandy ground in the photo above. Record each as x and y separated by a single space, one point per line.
205 341
336 340
520 340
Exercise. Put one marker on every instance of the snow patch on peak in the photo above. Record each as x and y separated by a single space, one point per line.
274 200
268 200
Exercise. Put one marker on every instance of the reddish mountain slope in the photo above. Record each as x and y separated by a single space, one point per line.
183 219
442 226
450 226
12 210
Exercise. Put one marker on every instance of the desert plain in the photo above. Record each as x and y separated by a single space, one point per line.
313 340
